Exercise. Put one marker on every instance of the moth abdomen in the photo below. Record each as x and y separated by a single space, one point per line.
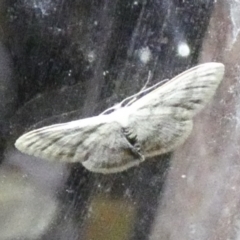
130 135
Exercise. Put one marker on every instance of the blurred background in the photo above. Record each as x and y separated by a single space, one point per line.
65 60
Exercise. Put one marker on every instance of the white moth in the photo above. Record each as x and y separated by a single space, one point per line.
146 126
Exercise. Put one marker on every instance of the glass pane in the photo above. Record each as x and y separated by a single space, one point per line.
62 61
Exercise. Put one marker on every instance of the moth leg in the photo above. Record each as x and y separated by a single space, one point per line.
111 109
122 103
125 102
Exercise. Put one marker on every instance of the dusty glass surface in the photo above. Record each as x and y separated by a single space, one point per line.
66 60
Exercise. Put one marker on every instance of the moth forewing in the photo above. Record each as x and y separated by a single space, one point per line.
48 142
162 120
187 92
98 142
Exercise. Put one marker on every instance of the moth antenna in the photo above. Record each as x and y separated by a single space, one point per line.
144 90
148 80
131 99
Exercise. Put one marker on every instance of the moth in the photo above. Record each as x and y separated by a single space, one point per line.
124 136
